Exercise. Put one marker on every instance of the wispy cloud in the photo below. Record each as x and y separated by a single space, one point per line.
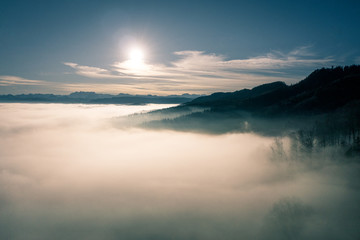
303 51
92 72
275 60
207 72
14 80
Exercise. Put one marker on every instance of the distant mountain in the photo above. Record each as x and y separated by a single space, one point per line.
95 98
88 95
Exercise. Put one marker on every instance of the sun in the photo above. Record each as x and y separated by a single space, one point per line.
135 62
136 55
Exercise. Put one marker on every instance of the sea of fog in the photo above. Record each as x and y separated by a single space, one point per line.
72 171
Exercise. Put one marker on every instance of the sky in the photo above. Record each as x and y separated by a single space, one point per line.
170 47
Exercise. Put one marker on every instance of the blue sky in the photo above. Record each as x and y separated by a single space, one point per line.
186 46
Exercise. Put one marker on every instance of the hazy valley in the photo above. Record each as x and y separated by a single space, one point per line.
193 171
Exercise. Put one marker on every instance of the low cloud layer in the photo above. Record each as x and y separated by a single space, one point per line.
67 172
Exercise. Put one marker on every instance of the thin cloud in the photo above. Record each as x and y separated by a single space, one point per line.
14 80
92 72
208 72
304 51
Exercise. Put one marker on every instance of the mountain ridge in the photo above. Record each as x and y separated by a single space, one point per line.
97 98
323 90
326 104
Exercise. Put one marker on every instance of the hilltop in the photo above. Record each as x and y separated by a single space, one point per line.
322 109
324 90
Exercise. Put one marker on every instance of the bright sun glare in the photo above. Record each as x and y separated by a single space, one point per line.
136 62
136 55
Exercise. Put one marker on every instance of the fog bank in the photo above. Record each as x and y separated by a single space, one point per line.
69 171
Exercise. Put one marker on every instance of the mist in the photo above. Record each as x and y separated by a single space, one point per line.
72 171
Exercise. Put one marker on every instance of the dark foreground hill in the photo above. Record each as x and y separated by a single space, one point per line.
323 91
323 109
